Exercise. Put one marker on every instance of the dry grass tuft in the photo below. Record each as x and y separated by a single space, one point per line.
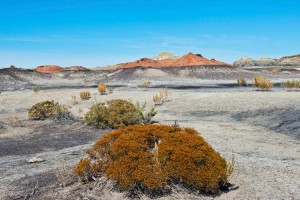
291 85
102 88
262 83
162 97
85 95
241 81
74 100
145 84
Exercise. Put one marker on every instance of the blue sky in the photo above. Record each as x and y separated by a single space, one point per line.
96 33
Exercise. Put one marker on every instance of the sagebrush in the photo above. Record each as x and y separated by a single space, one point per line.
113 114
48 109
150 158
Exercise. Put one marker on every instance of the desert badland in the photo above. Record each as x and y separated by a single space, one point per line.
255 128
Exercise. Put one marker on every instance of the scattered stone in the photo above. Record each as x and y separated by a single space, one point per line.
35 160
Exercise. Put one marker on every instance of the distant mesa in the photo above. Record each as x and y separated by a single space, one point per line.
166 59
52 69
49 69
284 61
12 67
77 68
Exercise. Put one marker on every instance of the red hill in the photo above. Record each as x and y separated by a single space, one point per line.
50 69
187 60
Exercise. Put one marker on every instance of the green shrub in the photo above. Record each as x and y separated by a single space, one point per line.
113 114
146 115
150 158
46 109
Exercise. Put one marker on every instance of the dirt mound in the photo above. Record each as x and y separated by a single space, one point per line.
50 69
187 60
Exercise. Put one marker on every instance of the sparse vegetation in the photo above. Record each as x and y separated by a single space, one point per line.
63 116
74 100
102 88
241 81
110 90
64 175
165 95
291 85
85 95
262 83
150 158
145 84
15 119
36 89
162 97
113 114
230 164
157 99
46 109
146 115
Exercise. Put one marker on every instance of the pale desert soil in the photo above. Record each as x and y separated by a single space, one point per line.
261 128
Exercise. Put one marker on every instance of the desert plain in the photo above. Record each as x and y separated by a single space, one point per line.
260 130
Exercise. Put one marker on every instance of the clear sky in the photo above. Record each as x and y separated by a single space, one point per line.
96 33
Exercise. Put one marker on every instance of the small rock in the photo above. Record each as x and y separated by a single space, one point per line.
35 160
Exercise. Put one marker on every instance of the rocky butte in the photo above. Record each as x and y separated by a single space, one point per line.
52 69
49 69
284 61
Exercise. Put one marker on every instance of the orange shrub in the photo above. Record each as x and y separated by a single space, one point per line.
147 158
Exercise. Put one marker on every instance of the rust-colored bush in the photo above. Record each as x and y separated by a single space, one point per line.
149 158
113 114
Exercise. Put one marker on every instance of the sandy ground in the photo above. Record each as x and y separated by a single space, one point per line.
261 128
